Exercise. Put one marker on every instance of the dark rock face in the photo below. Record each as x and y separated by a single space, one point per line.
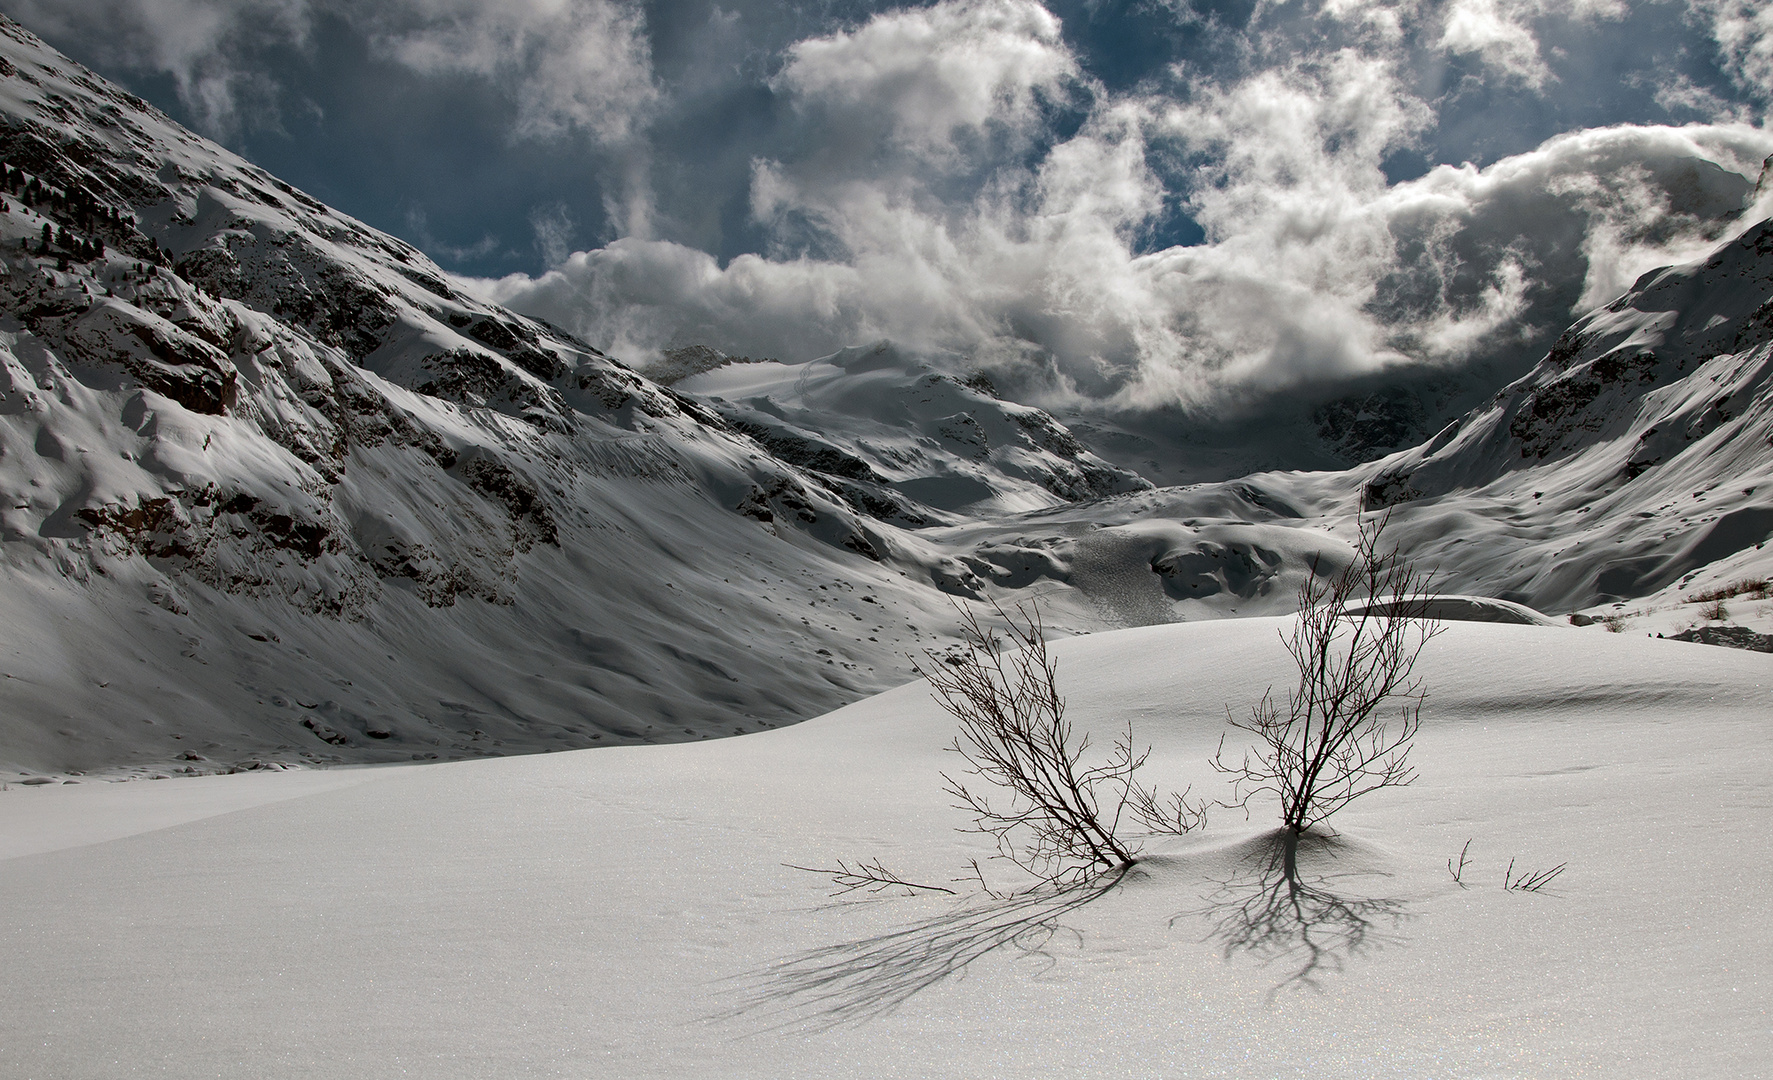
1368 427
532 521
807 451
1734 637
1551 412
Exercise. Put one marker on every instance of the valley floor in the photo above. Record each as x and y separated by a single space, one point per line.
626 912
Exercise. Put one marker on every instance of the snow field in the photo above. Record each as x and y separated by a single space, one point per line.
625 912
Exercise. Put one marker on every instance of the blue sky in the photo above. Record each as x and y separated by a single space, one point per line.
1121 204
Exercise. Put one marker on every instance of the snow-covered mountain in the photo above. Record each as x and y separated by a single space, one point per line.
1634 463
900 431
1636 458
274 488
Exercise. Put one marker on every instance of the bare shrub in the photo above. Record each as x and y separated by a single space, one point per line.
1034 789
1615 624
1359 634
1714 611
1753 588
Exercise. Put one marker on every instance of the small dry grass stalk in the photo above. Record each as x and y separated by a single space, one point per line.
866 876
1458 871
1529 880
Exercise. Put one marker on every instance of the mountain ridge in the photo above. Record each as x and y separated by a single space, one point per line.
275 490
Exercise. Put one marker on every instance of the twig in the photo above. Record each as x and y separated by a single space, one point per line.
979 876
872 878
1530 882
1458 872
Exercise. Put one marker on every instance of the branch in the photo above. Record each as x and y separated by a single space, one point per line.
864 876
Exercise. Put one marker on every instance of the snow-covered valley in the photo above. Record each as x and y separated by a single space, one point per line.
338 553
626 911
277 491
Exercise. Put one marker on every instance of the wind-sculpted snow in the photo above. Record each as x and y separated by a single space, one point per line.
627 912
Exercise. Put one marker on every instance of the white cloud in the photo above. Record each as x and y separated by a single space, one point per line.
915 189
554 228
1743 30
897 120
927 81
1315 269
1498 31
1502 34
1457 332
1678 94
570 65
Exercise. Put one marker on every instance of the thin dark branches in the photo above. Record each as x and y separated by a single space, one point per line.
1359 634
867 877
1529 880
1052 813
1458 871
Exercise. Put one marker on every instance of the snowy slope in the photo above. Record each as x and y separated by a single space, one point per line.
899 429
1627 473
625 912
1636 458
272 489
1630 473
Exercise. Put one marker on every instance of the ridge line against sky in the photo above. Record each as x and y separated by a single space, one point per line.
1107 206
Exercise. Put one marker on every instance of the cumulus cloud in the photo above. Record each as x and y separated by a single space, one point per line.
1314 269
929 81
1314 266
953 177
898 122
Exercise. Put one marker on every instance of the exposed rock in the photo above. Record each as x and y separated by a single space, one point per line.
1734 637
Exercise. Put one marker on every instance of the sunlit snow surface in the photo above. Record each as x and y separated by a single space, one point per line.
626 912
